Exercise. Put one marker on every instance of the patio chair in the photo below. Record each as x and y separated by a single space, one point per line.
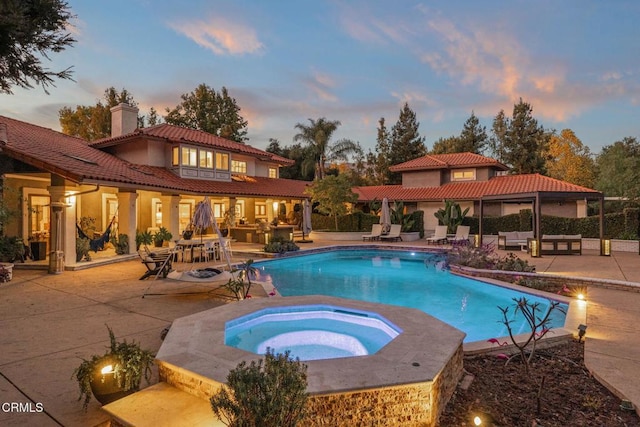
440 236
462 235
157 263
376 231
394 233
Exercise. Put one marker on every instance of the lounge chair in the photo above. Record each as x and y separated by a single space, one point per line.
376 231
462 235
440 235
394 233
157 263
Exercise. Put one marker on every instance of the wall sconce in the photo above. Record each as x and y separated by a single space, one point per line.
534 247
476 240
605 247
582 330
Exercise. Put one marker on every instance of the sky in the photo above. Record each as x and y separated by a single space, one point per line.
577 62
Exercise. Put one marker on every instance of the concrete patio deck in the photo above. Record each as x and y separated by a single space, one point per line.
49 322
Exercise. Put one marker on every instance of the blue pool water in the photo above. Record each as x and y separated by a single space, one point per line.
311 332
406 279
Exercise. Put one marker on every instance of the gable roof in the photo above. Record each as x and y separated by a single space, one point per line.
177 134
77 161
511 185
447 161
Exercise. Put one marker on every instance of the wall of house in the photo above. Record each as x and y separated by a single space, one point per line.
429 178
251 163
566 209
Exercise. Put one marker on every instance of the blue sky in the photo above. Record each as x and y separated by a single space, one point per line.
577 63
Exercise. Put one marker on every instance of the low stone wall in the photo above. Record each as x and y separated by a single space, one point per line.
417 404
512 276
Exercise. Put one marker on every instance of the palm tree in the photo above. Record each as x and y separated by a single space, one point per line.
317 136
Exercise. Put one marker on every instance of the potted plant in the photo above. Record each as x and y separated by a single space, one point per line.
143 238
11 249
163 235
115 374
121 244
6 272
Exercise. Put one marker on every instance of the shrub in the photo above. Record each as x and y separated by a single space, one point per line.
269 393
280 245
512 263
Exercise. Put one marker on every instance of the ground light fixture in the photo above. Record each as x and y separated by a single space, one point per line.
582 330
534 247
605 247
482 419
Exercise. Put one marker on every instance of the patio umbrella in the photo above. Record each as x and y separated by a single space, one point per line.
203 217
306 221
385 216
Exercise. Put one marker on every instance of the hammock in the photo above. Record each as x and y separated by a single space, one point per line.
97 244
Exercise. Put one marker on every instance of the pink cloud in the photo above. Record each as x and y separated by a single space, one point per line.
220 36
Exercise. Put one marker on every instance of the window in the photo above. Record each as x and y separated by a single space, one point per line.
189 156
184 214
175 156
206 159
273 173
261 209
222 161
218 210
463 175
238 166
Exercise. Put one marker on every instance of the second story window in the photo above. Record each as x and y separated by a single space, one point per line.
463 175
238 166
206 159
273 173
222 161
189 156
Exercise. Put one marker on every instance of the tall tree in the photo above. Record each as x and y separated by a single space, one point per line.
93 122
29 30
498 139
619 169
473 138
569 160
210 111
446 145
317 136
523 143
406 142
296 152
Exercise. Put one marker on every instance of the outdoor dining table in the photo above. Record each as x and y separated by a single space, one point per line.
188 245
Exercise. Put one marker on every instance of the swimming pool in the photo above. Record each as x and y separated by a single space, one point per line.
404 278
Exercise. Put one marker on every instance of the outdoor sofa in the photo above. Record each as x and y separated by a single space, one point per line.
513 239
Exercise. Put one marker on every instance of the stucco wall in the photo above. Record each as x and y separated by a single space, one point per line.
430 178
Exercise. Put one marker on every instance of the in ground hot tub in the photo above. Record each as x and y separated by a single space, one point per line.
409 379
311 332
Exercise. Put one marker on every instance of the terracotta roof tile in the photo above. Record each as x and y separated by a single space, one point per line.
499 185
447 161
74 159
177 134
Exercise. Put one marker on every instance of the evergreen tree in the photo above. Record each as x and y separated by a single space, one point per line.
300 169
406 142
29 30
377 169
473 138
498 139
521 141
446 145
210 111
93 122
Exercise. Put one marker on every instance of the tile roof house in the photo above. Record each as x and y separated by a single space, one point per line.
479 183
148 178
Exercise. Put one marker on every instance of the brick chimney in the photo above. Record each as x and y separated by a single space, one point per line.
124 119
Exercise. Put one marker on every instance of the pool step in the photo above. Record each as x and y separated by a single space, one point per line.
162 405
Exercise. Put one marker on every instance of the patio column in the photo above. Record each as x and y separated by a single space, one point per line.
480 228
127 216
62 236
171 214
